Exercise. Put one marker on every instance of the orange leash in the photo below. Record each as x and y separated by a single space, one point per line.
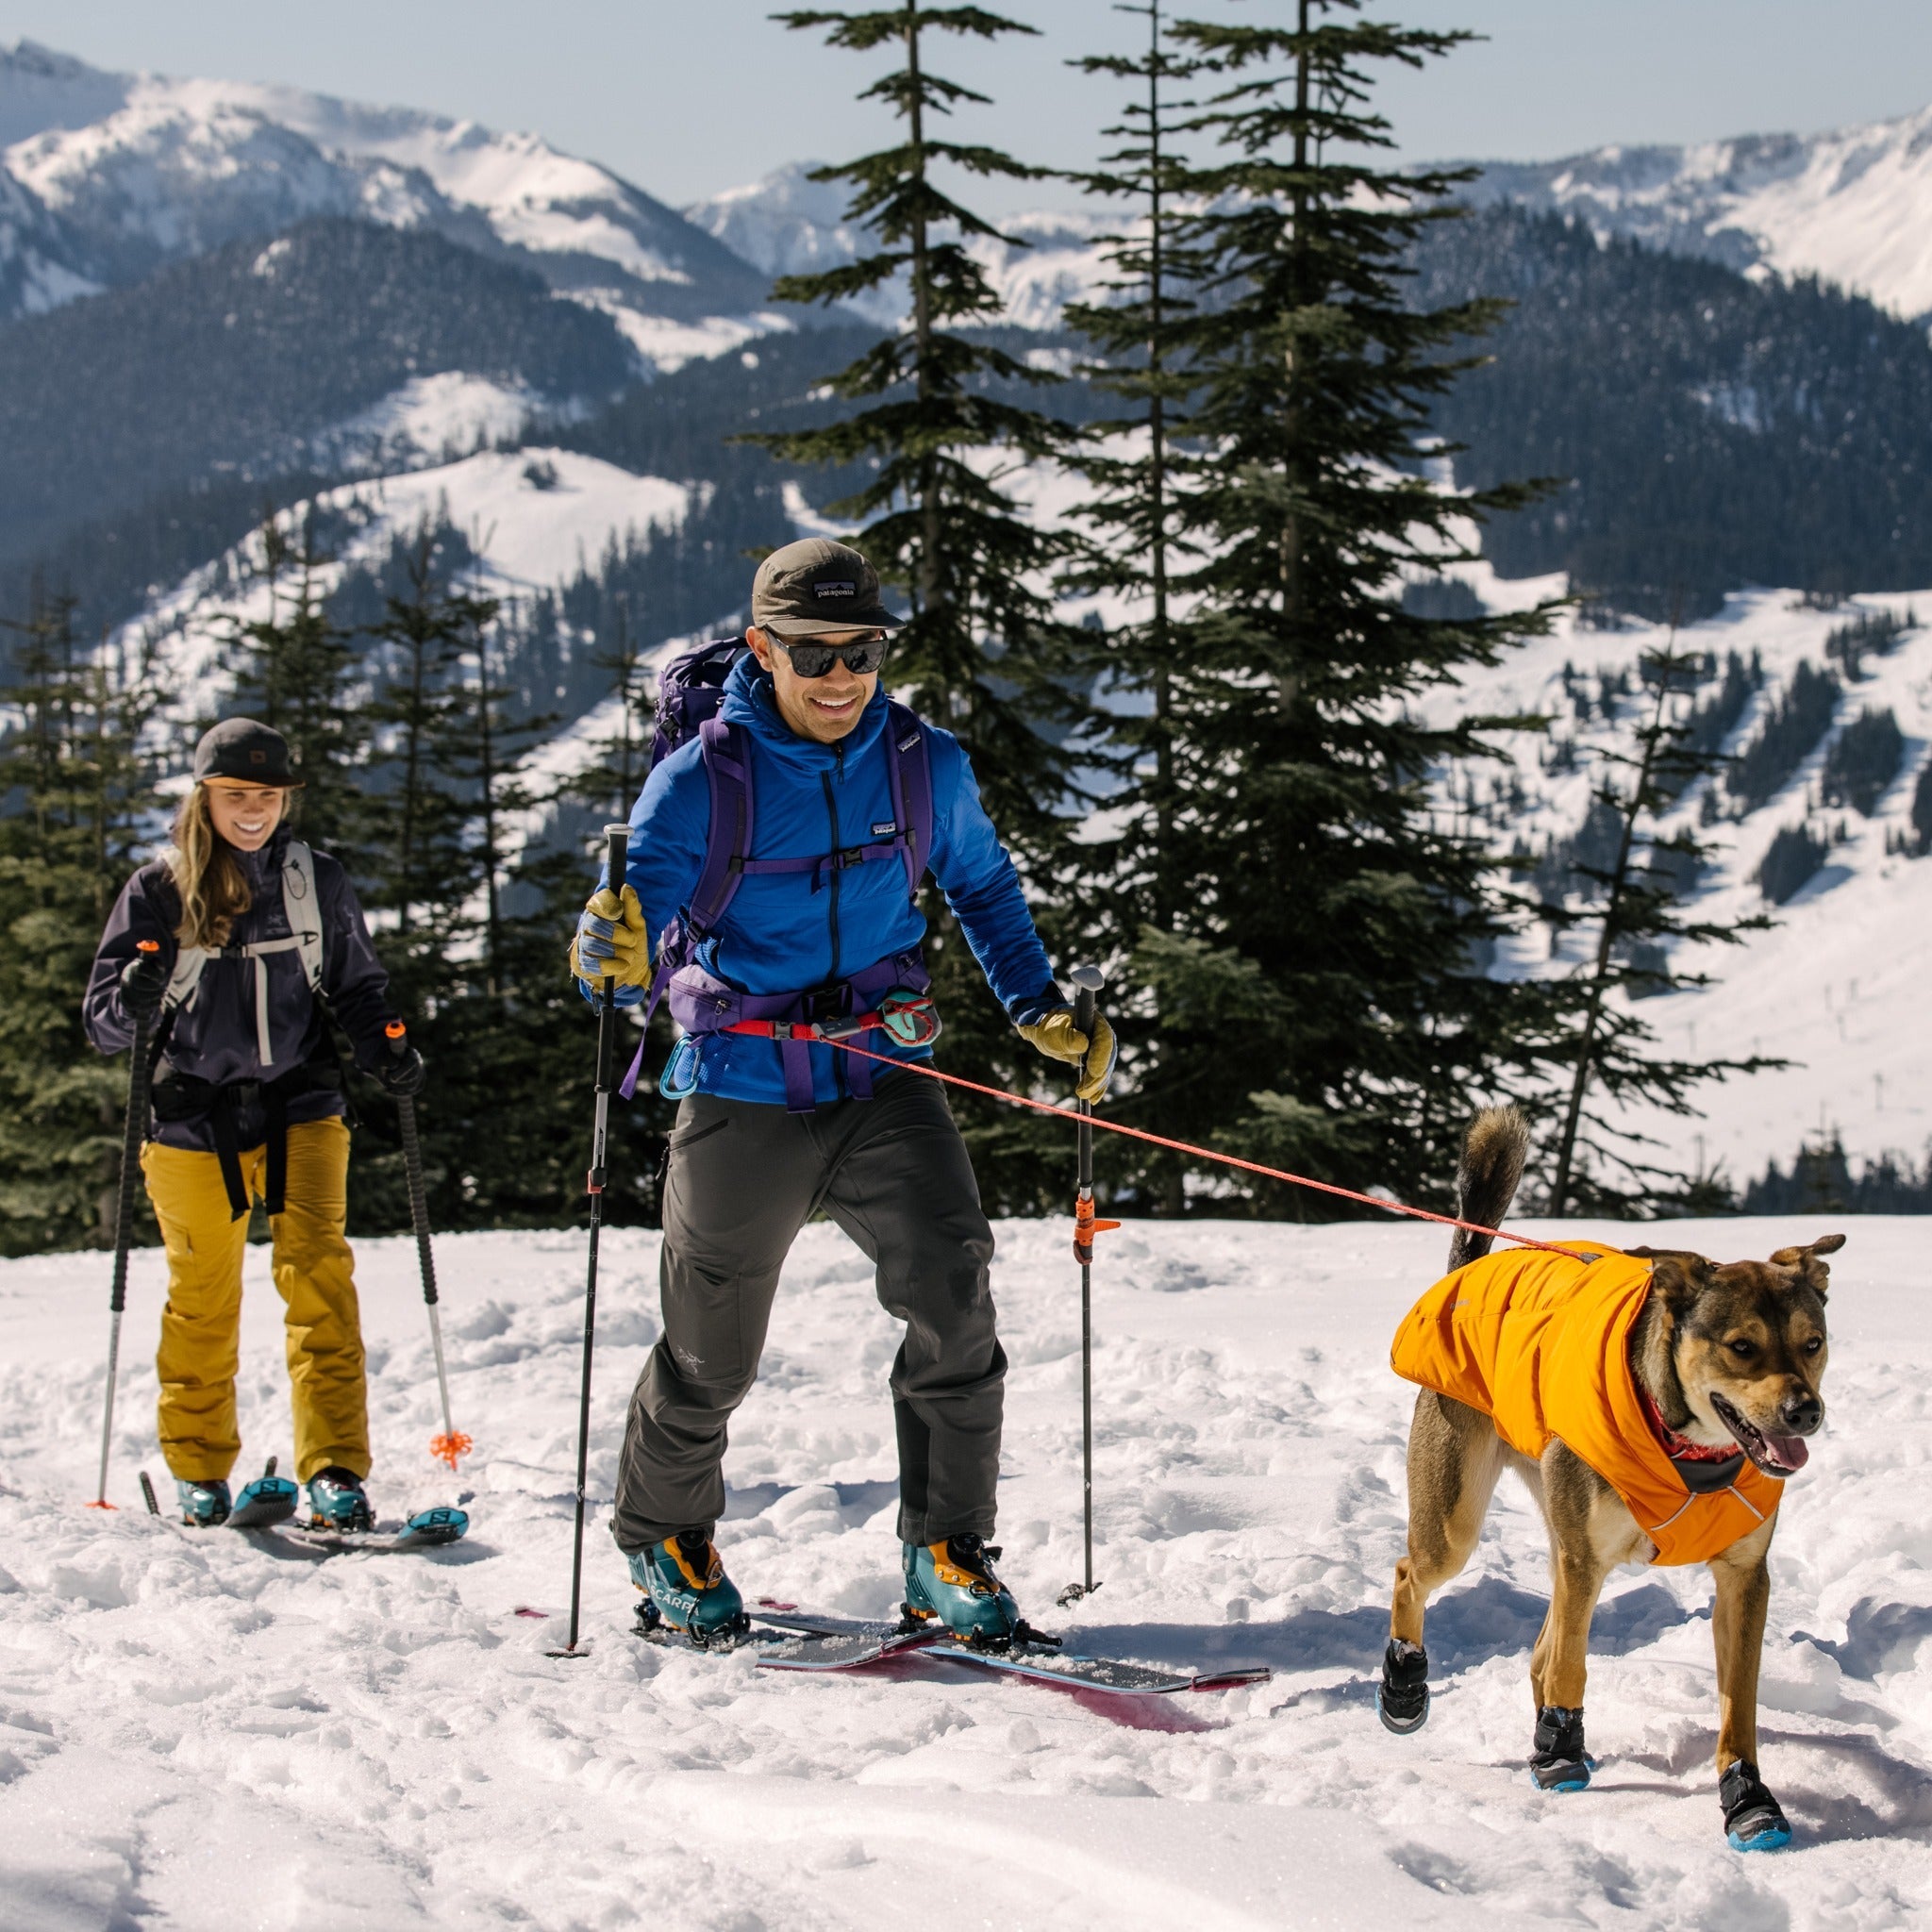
1273 1173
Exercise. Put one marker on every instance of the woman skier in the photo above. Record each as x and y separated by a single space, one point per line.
242 940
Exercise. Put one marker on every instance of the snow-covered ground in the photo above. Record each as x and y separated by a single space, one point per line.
198 1732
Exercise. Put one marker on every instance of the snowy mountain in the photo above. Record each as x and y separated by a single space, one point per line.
115 174
198 1731
789 224
1850 205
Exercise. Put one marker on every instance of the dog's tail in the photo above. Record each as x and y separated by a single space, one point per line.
1486 1177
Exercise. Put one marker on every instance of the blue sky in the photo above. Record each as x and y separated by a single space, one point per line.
687 96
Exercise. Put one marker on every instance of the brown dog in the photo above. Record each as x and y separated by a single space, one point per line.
1653 1402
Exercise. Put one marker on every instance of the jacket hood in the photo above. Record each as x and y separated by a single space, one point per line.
750 701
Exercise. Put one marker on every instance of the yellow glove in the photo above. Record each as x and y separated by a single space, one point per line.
1054 1034
611 940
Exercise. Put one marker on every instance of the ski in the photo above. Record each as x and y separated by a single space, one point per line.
268 1500
427 1529
846 1650
802 1648
865 1642
1100 1672
267 1504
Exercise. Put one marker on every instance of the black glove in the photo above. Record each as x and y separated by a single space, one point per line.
400 1073
144 984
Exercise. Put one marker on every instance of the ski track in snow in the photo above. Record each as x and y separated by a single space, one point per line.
195 1730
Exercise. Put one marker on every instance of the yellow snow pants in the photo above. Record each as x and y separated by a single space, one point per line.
201 1325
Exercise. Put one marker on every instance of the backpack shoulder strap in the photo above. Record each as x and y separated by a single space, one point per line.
727 843
303 908
910 758
186 979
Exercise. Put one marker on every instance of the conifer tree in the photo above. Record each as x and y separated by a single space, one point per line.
1325 960
984 654
415 819
296 673
82 814
1131 549
1131 459
1602 1046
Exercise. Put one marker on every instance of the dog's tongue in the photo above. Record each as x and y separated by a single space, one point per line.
1791 1451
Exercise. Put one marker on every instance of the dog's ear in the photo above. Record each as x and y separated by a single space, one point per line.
1677 1276
1817 1275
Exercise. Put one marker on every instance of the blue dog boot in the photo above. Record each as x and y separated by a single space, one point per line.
336 1501
689 1590
203 1505
954 1581
1753 1820
1561 1763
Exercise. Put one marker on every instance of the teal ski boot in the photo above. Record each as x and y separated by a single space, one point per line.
954 1581
686 1590
203 1505
338 1501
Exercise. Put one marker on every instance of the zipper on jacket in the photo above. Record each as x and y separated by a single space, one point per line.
832 866
832 898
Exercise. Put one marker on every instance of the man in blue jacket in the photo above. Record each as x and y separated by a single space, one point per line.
822 922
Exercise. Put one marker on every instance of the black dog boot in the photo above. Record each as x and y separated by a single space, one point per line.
1402 1698
1561 1763
1753 1820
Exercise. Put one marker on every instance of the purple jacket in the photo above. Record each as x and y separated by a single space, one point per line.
213 1037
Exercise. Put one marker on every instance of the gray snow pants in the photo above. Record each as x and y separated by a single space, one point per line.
741 1180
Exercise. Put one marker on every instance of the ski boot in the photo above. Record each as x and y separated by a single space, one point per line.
1402 1698
1561 1763
686 1589
954 1581
1754 1821
203 1505
336 1501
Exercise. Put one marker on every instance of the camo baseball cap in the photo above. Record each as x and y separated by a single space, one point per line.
814 586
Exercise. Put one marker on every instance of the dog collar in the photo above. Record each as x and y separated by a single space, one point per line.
1680 1448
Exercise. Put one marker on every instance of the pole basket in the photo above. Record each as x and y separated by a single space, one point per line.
446 1449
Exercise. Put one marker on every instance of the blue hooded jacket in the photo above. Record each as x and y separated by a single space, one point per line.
788 932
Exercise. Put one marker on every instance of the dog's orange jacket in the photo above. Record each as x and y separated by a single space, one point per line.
1540 1343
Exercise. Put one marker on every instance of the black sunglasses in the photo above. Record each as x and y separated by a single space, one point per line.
862 657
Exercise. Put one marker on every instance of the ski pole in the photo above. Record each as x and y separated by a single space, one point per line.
1088 981
452 1443
132 1136
617 854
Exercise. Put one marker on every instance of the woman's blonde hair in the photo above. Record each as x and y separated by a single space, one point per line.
213 888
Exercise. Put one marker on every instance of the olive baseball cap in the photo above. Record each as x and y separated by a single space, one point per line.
813 587
249 753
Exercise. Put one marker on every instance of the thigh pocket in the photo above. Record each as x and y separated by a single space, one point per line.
704 1325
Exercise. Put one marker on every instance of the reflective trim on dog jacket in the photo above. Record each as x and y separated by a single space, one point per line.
1540 1343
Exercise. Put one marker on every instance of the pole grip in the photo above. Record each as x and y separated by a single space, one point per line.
1088 982
616 856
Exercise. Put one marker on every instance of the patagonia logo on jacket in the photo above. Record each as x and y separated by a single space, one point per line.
1539 1342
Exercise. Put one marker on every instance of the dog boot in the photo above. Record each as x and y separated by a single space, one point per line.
686 1588
1402 1698
1561 1763
1753 1820
954 1581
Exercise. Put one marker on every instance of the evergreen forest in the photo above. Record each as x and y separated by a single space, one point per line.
1234 801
